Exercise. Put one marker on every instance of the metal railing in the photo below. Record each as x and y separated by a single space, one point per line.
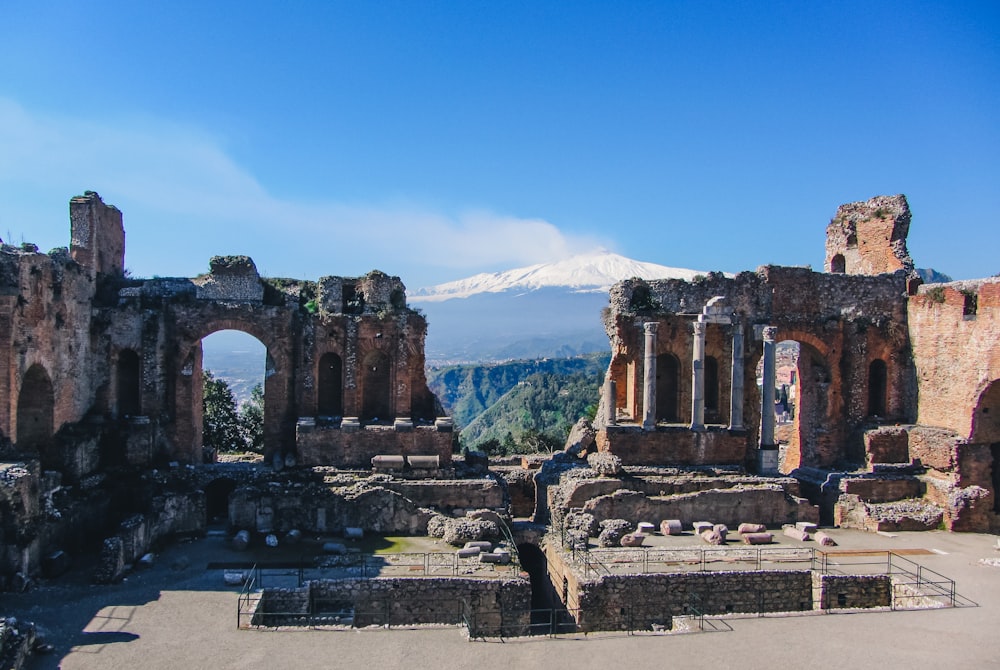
914 586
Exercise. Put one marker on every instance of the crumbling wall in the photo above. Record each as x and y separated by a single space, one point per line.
764 503
869 237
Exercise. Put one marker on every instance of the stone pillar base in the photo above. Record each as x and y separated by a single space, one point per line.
767 462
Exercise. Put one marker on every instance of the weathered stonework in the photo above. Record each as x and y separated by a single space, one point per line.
889 373
82 340
101 373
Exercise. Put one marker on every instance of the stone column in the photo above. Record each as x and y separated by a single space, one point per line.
736 386
611 402
649 378
767 391
698 378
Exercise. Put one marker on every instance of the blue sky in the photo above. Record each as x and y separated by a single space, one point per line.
436 140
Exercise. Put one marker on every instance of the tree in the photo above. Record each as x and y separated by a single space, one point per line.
251 420
220 422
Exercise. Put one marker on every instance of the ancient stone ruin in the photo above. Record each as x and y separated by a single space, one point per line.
887 417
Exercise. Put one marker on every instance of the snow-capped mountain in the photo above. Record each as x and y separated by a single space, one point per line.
591 272
545 310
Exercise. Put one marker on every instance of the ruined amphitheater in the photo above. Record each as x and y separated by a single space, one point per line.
894 424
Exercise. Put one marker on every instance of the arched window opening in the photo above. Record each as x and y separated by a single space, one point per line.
129 390
331 389
668 385
877 387
375 404
35 410
838 264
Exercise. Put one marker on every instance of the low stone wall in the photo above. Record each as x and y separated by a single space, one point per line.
171 515
450 494
355 448
373 508
768 504
669 445
887 444
851 591
646 600
492 607
883 489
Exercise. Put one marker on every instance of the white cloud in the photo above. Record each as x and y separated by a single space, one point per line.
182 184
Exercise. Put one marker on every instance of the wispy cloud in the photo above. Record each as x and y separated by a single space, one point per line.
194 196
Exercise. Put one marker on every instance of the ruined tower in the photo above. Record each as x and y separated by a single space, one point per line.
869 238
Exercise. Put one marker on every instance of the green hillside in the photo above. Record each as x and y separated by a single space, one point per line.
520 405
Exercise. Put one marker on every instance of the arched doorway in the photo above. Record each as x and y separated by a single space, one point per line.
35 411
668 387
330 386
232 390
377 387
986 430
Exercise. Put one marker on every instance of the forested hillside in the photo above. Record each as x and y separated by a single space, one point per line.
519 406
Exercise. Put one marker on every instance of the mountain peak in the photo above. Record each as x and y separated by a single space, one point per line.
594 271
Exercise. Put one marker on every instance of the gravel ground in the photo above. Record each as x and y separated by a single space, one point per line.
179 614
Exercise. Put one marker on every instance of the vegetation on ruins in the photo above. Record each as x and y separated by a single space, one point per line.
226 427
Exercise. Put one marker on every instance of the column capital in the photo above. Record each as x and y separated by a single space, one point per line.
699 327
650 327
769 333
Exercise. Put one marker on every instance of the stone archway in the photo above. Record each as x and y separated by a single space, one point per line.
279 427
35 412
